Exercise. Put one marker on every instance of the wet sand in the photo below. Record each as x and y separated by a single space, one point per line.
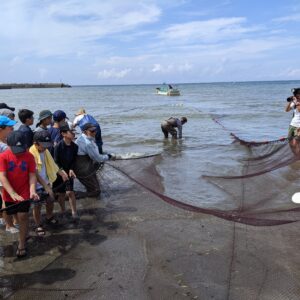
132 245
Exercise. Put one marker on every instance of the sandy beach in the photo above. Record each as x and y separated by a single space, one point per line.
132 245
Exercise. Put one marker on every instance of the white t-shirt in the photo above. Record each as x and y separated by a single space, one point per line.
77 120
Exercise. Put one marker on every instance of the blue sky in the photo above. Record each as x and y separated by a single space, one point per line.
149 41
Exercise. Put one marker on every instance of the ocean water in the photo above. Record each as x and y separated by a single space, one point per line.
130 118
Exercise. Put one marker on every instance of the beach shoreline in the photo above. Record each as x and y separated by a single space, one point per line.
132 245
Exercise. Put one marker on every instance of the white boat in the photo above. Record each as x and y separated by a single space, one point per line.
167 90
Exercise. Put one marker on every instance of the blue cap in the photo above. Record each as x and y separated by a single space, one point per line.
59 115
5 121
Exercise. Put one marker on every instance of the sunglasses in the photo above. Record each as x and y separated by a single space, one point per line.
92 130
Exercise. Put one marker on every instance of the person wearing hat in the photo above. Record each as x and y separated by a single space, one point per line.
44 120
6 127
59 117
4 105
65 153
8 113
17 175
83 118
47 171
89 159
169 125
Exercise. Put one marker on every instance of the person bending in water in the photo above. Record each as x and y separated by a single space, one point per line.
170 125
294 104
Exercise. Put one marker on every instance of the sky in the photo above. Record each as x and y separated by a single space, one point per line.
102 42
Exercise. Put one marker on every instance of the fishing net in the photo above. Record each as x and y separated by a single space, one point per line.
254 253
242 245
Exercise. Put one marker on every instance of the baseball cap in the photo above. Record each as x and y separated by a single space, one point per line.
17 141
59 115
65 127
6 112
5 121
88 126
4 105
81 111
44 114
43 137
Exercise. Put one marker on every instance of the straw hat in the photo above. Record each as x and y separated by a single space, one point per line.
81 111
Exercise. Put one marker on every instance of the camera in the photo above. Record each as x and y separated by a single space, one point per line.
289 99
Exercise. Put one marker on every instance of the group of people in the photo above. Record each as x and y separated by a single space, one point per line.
38 167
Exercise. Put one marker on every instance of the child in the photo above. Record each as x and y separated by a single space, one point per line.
65 153
26 117
47 172
45 119
6 127
17 175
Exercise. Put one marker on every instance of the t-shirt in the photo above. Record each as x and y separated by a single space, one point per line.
65 155
55 135
77 120
296 119
17 168
3 147
28 134
43 172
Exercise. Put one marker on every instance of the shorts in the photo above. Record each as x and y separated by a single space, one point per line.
43 196
59 186
19 207
167 128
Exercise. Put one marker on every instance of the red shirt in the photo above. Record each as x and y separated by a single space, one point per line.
17 168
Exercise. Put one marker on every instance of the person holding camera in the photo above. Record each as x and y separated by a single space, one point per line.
294 104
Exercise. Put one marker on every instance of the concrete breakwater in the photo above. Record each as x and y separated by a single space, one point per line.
33 85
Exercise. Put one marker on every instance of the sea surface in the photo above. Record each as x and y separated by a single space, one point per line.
130 118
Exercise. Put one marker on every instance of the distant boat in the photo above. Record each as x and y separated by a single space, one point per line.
167 90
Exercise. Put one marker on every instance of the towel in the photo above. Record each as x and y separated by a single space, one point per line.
51 166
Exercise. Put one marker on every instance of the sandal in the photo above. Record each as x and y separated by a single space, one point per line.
52 221
40 231
21 253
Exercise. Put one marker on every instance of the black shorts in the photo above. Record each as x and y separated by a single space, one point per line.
59 186
20 207
44 197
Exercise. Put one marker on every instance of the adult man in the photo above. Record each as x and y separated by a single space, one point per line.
83 118
169 125
89 159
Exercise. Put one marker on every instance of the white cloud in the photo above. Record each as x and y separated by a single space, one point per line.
113 73
207 31
48 28
289 18
156 68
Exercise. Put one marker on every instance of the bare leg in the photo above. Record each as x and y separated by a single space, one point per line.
23 221
61 201
72 201
8 219
49 209
37 215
